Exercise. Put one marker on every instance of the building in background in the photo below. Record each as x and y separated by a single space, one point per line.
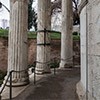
4 14
4 23
56 22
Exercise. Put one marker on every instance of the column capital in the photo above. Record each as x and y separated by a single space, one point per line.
82 5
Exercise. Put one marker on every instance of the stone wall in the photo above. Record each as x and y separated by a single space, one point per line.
89 86
94 48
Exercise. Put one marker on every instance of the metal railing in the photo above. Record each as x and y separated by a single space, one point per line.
9 78
3 85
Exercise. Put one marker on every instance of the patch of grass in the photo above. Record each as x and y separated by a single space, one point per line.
33 34
3 33
76 37
56 35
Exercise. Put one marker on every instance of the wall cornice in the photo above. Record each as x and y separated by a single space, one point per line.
82 5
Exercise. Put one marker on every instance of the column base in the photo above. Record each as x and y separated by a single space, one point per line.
42 70
64 64
17 82
81 91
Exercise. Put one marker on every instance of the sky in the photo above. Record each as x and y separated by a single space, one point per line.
4 14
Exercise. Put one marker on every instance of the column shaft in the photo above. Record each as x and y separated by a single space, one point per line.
66 36
17 49
44 22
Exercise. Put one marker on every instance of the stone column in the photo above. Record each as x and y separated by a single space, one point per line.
17 47
43 38
66 35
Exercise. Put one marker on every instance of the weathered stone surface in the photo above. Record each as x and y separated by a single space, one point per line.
83 46
90 67
17 49
66 38
94 48
44 22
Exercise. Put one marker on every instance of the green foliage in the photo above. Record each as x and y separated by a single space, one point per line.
32 35
54 63
76 37
55 35
32 16
75 33
35 20
3 33
2 74
32 65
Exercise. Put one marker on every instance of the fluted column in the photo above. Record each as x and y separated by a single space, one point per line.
17 48
43 38
66 36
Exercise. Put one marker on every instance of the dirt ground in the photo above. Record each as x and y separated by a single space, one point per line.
55 51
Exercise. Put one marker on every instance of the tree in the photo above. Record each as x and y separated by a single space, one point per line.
32 16
56 7
35 20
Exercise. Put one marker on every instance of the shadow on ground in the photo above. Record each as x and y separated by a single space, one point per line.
61 86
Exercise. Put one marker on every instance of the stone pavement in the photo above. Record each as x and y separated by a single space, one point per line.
61 86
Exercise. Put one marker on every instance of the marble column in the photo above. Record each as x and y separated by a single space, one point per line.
17 46
43 38
66 35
